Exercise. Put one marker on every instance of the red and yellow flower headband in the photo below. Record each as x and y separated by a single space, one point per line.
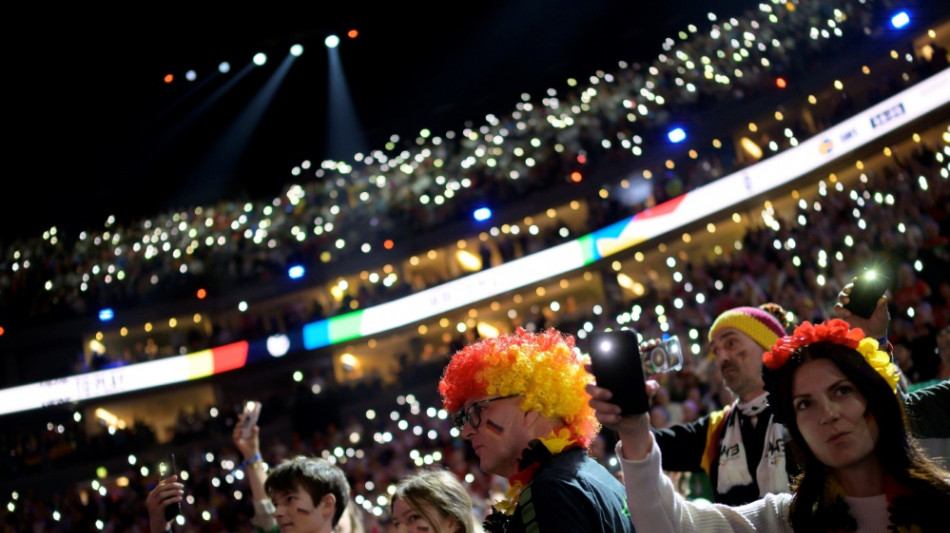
835 331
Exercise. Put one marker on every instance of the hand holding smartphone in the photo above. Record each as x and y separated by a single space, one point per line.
167 469
252 411
616 363
866 289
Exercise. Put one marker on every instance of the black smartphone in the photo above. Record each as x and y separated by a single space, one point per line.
165 469
616 363
866 290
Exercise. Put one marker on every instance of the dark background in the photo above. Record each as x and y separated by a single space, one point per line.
92 130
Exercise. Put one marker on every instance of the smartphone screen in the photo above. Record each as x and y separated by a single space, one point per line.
166 469
616 363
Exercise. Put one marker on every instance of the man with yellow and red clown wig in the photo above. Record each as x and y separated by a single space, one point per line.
520 400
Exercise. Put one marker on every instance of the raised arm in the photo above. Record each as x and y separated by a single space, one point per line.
167 492
632 430
874 326
256 470
654 504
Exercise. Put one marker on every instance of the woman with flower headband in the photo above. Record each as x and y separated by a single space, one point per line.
836 392
520 401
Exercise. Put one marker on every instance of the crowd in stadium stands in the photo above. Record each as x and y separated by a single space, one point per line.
760 272
899 212
426 182
231 244
688 175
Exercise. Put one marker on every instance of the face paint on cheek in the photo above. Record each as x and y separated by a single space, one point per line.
494 428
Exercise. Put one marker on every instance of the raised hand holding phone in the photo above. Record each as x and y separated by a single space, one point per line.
167 469
620 401
252 411
167 494
621 368
866 290
859 297
616 363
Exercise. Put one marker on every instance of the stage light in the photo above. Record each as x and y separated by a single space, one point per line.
482 213
260 58
224 67
296 272
296 50
106 314
781 83
900 20
332 41
169 78
676 135
191 75
352 34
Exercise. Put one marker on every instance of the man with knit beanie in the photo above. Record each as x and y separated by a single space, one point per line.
740 447
520 400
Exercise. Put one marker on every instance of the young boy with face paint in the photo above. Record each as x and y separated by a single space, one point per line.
321 478
309 495
306 495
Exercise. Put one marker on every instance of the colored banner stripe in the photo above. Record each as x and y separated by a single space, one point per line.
229 357
915 102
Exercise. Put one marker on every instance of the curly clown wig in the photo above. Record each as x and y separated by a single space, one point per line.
543 368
